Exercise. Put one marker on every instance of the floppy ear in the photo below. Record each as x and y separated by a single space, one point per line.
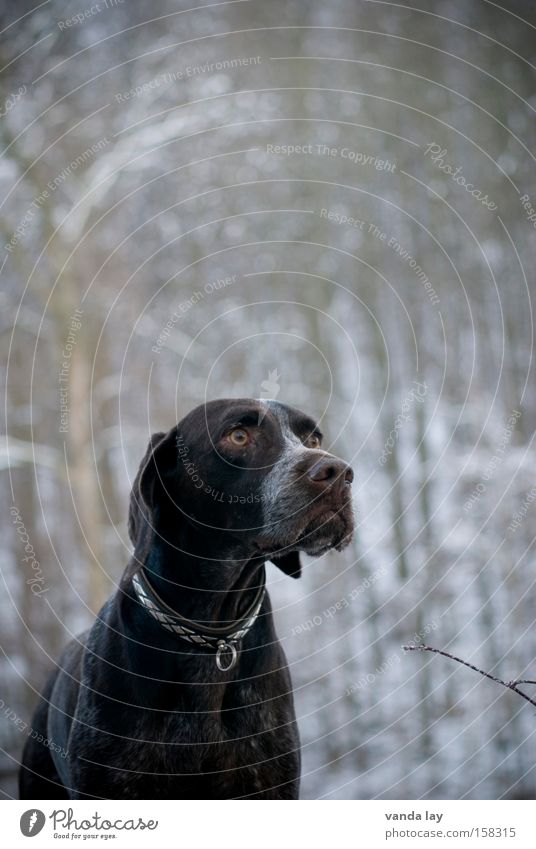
289 563
159 460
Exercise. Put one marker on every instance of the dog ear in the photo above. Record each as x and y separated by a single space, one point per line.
289 563
158 462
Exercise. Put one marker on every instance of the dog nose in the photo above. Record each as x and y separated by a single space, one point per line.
329 471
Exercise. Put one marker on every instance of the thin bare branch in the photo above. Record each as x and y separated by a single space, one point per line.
510 685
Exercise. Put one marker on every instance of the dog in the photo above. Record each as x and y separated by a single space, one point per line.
180 689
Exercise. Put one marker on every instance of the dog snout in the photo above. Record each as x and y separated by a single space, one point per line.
328 472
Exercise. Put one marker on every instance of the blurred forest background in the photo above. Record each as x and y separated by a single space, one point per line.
160 244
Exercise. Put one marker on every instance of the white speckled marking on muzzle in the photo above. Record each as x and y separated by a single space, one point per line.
283 504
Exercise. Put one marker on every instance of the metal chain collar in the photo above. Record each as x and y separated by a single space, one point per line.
169 619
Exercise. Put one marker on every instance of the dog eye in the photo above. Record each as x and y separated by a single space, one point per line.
313 441
239 437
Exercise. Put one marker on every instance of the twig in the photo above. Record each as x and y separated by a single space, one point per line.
510 685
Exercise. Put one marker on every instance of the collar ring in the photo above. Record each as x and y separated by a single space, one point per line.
223 648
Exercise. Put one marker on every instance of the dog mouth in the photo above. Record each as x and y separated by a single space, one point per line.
328 528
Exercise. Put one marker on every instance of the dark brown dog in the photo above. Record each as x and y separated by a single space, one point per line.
180 689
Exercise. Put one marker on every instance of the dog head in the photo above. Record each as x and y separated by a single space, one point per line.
246 476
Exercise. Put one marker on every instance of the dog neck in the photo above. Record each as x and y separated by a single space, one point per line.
208 591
